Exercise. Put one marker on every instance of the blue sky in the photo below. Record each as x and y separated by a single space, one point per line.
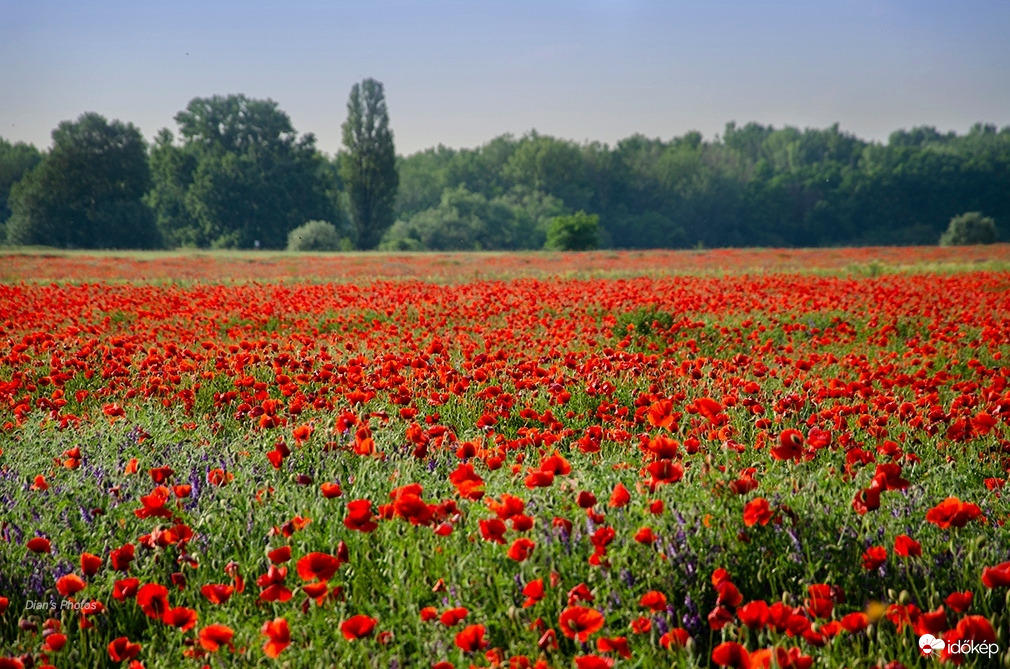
460 73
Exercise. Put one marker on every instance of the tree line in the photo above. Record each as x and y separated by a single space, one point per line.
237 175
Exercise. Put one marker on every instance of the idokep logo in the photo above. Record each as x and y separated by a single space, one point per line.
929 645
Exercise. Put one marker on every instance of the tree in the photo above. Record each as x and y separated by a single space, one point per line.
462 221
368 166
578 232
15 161
88 192
314 236
969 228
240 176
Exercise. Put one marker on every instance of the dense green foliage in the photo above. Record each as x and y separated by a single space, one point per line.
87 192
15 161
754 185
314 236
239 174
969 228
240 177
368 166
578 232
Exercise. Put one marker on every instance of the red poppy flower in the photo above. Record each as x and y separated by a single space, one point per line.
641 625
358 627
757 512
359 516
152 598
539 479
302 433
39 545
619 497
214 636
471 639
181 617
120 558
217 593
952 512
654 600
316 590
90 564
278 636
593 662
676 638
521 549
154 504
731 654
330 490
719 617
122 649
873 557
219 477
906 546
754 614
728 593
452 616
70 584
534 592
4 603
855 622
996 577
931 622
580 593
617 644
660 413
708 408
580 622
492 529
125 588
821 601
645 535
665 472
272 584
867 499
790 446
160 474
55 642
469 485
318 566
959 601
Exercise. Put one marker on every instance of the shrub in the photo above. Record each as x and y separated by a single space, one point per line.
314 236
969 228
577 232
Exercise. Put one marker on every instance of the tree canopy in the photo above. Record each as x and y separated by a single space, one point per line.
88 191
368 164
241 176
236 173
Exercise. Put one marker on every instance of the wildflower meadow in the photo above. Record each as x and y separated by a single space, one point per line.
738 459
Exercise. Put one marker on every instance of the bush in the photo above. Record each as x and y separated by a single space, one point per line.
314 236
969 228
577 232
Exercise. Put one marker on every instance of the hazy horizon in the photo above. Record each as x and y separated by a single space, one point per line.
460 74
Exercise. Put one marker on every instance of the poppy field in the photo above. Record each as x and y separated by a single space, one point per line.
628 462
